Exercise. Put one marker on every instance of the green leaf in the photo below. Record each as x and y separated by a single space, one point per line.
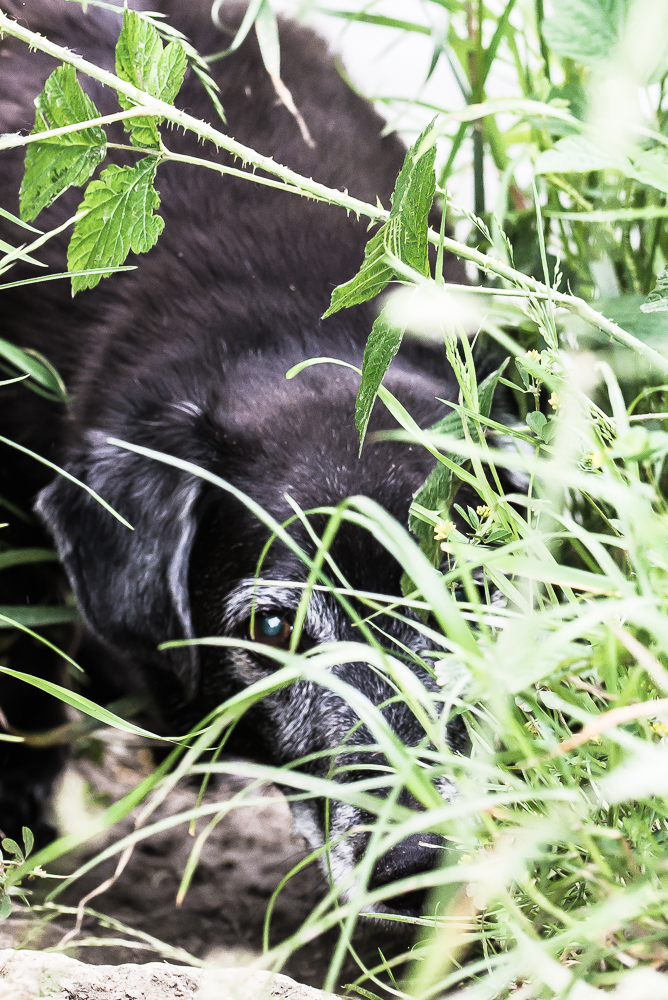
5 906
404 235
371 278
383 343
536 421
625 310
32 363
651 168
412 200
266 29
441 485
61 472
142 61
20 557
384 21
120 218
19 222
580 154
54 164
28 840
79 702
657 300
12 847
38 616
586 30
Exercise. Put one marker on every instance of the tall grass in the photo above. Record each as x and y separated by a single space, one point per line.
545 606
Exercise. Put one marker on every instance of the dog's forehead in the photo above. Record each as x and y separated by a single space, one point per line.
298 438
259 395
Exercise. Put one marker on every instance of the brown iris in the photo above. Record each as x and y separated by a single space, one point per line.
272 630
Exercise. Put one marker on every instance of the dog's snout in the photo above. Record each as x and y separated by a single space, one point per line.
421 852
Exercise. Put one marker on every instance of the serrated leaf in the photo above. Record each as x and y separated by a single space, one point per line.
441 485
657 300
369 281
54 164
142 61
404 234
412 200
383 343
120 218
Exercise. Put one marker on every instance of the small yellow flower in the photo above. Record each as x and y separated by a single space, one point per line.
661 728
592 460
483 511
534 355
555 402
443 530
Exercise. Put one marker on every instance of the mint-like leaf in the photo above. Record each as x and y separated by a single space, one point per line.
412 201
120 218
404 234
371 278
53 164
383 343
142 61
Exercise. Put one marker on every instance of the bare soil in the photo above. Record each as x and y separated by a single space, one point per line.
221 918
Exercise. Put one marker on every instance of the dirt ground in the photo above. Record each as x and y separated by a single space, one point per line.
221 918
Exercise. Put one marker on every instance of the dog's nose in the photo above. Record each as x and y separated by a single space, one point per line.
421 852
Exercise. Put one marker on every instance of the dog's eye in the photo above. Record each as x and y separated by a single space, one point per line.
272 630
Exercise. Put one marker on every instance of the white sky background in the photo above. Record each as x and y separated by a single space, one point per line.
385 62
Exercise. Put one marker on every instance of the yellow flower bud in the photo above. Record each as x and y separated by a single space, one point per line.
443 530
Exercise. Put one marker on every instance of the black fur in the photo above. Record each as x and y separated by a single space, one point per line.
187 355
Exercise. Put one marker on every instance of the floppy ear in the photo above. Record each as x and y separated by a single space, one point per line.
131 586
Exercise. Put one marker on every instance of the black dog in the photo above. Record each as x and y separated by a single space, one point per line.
187 355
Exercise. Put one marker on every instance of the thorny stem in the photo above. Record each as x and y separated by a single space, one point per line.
164 155
154 106
309 188
15 139
573 303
